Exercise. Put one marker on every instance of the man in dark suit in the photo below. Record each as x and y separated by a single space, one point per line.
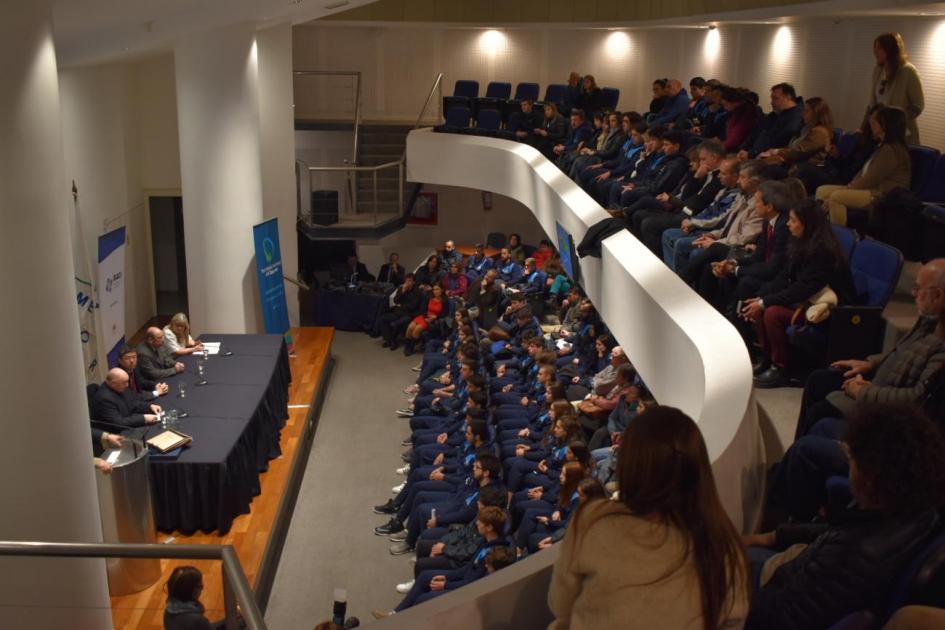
726 282
155 358
115 403
392 271
407 304
128 361
354 267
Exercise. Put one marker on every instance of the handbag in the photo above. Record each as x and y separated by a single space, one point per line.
817 308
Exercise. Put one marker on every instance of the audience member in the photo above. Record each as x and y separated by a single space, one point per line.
436 306
579 132
154 357
455 283
450 255
812 575
527 122
659 96
177 337
553 130
812 142
478 264
675 106
392 272
430 273
667 540
896 82
406 303
589 99
515 247
888 168
613 134
778 127
743 118
183 610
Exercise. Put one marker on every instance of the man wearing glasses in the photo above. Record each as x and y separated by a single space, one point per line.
898 376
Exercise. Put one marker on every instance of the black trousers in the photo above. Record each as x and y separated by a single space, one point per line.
814 406
649 226
701 265
393 323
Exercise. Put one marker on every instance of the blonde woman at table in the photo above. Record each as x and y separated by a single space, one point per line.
177 337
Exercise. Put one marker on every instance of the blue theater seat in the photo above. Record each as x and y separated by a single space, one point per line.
526 90
847 239
554 93
609 97
463 92
923 163
488 121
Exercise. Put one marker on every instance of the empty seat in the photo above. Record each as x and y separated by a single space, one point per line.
526 90
847 239
609 97
923 162
457 118
934 189
875 267
463 93
846 144
488 119
496 240
555 92
497 89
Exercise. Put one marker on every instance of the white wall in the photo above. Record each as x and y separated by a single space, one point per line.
102 146
821 57
156 102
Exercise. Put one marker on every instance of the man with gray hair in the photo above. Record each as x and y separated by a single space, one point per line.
898 376
602 382
155 358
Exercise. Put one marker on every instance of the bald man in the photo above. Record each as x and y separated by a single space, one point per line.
115 403
896 377
450 255
676 105
155 359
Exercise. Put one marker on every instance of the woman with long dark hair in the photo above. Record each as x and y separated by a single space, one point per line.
816 266
896 82
813 141
183 610
887 168
665 555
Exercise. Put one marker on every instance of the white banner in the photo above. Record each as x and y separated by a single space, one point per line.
111 284
86 297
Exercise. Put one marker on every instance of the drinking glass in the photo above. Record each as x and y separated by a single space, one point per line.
182 390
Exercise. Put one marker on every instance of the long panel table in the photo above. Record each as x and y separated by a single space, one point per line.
235 420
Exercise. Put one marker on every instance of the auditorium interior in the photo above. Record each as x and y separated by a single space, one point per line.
383 305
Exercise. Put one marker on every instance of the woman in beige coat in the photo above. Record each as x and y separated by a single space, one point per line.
665 555
896 82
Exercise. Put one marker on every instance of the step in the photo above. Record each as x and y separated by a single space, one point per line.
383 207
374 160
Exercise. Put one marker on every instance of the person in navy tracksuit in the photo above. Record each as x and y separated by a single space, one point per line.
509 271
533 279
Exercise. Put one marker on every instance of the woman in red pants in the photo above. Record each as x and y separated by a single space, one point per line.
815 261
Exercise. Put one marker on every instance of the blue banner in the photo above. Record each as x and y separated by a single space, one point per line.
111 285
269 271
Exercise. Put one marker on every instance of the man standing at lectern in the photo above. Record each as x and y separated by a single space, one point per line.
115 403
155 359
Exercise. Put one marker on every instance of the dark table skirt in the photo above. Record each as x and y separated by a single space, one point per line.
345 310
235 421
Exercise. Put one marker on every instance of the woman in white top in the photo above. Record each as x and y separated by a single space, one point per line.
177 337
665 555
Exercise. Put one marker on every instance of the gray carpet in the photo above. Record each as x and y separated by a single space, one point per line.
331 543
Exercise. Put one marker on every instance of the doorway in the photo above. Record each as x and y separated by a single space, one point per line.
169 256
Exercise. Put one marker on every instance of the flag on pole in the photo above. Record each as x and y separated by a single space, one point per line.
86 296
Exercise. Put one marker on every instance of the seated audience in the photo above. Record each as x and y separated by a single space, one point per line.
743 118
898 376
183 610
436 307
155 358
507 269
812 142
528 121
177 337
516 249
612 135
589 99
392 272
778 128
597 179
811 575
553 131
450 255
815 268
675 105
888 168
116 404
579 133
455 283
659 96
478 264
665 554
148 389
429 274
715 121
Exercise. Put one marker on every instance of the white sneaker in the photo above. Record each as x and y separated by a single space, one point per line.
413 389
403 470
418 367
397 489
405 587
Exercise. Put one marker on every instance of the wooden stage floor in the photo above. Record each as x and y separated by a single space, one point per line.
250 532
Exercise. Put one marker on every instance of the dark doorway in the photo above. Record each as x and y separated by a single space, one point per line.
170 260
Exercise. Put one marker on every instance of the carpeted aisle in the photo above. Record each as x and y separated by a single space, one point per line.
331 543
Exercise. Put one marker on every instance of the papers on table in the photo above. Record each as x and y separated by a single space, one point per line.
213 347
169 440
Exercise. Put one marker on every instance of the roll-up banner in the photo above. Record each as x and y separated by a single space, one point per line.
269 272
111 289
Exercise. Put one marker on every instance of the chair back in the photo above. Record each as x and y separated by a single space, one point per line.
934 189
609 97
555 92
458 117
846 144
512 124
498 89
923 163
875 267
496 240
488 119
466 88
847 239
526 90
923 577
90 390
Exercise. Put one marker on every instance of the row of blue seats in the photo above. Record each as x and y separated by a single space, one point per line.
499 96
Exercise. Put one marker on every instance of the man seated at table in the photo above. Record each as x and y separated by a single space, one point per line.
128 361
356 270
155 358
115 403
392 272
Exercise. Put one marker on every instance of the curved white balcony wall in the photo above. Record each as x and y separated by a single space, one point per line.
688 354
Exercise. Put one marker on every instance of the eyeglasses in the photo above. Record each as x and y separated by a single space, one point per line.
916 289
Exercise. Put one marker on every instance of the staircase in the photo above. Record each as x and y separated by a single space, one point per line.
380 144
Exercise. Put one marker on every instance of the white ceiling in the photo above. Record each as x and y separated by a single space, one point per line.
95 31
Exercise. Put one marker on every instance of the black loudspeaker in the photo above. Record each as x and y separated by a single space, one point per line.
325 207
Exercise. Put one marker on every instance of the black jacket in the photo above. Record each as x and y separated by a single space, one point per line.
409 302
756 266
139 384
557 129
777 130
705 192
179 615
612 144
848 566
395 277
664 176
802 277
125 409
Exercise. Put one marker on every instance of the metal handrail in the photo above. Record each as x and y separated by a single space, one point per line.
426 103
235 585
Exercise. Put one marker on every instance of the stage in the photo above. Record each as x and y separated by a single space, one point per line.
257 536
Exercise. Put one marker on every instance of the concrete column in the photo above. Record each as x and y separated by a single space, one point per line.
47 483
221 180
277 131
